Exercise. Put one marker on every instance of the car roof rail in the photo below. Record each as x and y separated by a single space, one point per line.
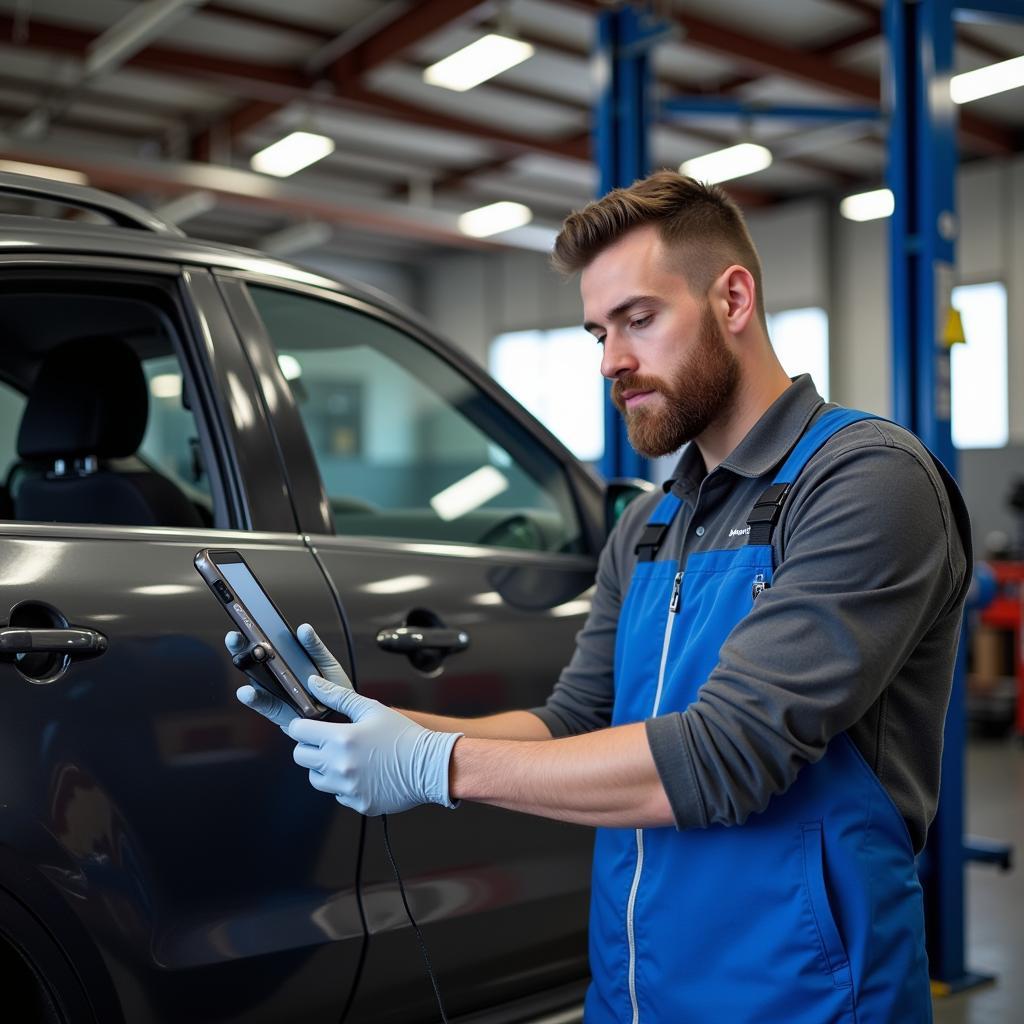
119 211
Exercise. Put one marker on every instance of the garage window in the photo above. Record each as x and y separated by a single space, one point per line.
980 392
800 340
556 375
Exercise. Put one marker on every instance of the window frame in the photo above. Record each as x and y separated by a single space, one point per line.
311 504
172 301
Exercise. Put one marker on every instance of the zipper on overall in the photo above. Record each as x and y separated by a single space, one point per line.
673 608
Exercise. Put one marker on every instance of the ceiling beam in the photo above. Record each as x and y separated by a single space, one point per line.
237 188
455 179
767 57
281 86
348 69
320 33
99 125
575 147
46 35
808 67
964 34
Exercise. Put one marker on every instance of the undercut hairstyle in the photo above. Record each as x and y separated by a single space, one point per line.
702 228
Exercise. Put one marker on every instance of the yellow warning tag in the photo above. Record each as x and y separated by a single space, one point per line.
953 332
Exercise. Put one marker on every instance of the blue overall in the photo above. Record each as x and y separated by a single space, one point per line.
808 913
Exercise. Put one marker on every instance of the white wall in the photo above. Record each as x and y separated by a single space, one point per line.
990 206
811 257
472 298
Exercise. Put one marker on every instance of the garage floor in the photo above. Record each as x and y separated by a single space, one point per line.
995 944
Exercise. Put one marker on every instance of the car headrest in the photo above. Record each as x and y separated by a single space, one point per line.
89 398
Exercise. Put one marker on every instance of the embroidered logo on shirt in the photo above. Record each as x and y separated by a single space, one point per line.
739 533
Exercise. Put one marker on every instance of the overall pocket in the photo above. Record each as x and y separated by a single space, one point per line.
830 940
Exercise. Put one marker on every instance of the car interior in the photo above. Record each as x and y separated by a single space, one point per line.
88 436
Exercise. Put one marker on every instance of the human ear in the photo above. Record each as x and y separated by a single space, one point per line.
736 293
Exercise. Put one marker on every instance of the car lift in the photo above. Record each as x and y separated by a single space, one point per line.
921 174
922 237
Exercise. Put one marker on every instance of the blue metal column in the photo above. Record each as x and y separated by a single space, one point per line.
621 132
922 155
923 230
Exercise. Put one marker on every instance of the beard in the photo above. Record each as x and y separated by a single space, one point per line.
701 391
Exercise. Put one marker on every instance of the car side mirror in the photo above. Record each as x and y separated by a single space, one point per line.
619 492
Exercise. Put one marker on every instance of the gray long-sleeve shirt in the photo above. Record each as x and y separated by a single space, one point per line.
857 633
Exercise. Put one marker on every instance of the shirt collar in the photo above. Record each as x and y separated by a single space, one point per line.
766 444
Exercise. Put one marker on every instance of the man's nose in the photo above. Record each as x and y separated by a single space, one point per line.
618 357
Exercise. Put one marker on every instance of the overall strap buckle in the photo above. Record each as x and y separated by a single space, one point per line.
765 514
650 541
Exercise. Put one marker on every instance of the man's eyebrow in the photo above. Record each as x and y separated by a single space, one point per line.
623 307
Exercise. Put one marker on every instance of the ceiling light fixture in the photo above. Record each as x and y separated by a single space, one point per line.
726 164
292 153
473 64
973 85
868 205
495 218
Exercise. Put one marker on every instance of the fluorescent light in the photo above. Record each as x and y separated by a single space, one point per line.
492 219
973 85
292 153
44 171
725 164
289 366
473 64
868 205
166 385
469 493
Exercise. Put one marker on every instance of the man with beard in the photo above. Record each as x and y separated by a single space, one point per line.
753 713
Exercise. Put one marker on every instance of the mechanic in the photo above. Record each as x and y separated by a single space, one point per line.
753 713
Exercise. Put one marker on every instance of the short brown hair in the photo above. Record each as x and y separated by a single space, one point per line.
702 226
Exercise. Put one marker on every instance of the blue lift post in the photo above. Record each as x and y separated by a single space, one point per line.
922 235
621 146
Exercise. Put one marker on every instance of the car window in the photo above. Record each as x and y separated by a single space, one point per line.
171 443
70 361
406 445
12 405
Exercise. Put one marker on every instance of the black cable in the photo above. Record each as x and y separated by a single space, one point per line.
412 920
350 646
364 948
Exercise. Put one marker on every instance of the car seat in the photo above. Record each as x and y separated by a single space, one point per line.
89 404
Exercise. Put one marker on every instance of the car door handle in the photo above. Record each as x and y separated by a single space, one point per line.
414 639
82 643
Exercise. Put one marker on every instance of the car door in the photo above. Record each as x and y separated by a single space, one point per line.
445 511
156 827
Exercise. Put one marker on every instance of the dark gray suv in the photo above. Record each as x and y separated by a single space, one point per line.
161 858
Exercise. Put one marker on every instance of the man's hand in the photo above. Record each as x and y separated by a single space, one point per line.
266 704
380 763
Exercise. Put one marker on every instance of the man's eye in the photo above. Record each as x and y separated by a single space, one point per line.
600 340
641 321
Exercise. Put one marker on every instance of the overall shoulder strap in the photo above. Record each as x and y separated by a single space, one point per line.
657 526
766 511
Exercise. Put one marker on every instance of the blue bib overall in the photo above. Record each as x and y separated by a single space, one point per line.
808 913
